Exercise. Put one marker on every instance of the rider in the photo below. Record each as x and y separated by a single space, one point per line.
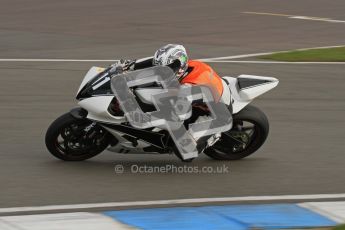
188 72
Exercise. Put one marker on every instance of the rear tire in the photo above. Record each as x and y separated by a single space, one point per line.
224 149
67 140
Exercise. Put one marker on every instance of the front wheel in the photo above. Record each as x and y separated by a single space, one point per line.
249 132
72 139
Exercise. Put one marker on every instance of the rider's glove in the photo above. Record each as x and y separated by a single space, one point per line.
122 66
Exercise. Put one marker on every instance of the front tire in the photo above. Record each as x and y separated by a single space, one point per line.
241 141
72 139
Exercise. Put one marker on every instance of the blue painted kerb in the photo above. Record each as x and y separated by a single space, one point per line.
234 217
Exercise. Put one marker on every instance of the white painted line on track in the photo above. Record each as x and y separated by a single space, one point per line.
61 60
265 53
297 17
54 60
276 62
317 19
171 202
237 56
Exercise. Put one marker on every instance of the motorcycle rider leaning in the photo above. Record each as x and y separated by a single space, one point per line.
188 72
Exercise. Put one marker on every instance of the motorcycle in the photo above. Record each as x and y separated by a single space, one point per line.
100 122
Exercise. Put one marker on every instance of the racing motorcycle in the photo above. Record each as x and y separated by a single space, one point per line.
99 123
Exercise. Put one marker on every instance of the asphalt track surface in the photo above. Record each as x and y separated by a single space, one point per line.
304 153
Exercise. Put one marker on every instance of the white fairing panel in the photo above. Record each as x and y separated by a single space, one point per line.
242 96
251 92
226 95
93 71
97 108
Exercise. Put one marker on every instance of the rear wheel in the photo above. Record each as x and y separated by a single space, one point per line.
249 132
72 139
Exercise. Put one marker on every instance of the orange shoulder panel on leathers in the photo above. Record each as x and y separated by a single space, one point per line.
203 74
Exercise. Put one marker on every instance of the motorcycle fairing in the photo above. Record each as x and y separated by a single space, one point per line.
93 71
153 138
245 88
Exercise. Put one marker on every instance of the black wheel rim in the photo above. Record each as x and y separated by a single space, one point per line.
79 138
238 139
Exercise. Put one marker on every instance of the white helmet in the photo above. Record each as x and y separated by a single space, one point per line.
168 54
